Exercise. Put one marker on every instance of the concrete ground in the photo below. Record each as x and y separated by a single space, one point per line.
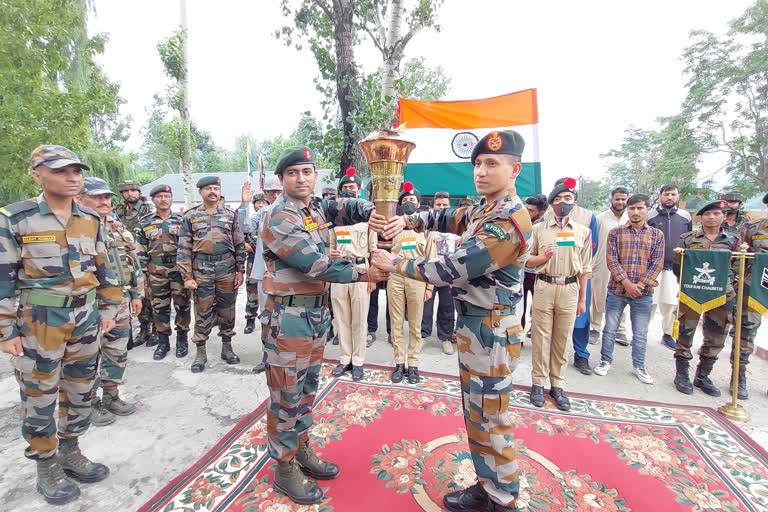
181 415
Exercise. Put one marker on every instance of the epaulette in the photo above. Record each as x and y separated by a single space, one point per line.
293 205
18 207
502 209
686 234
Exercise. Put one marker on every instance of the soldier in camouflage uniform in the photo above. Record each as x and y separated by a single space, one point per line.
134 207
486 274
735 218
54 262
711 235
211 258
755 235
296 320
124 260
259 201
158 238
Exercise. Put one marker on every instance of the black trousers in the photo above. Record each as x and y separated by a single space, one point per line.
528 281
445 318
373 309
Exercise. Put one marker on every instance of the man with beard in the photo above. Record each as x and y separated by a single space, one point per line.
134 207
673 222
735 218
606 221
211 258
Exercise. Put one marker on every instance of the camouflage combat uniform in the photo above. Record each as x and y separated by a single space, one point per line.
295 319
741 220
715 328
754 234
211 249
61 274
130 217
158 240
485 274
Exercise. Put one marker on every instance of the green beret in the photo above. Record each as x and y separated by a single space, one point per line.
713 205
732 196
208 180
350 176
160 188
508 142
567 185
128 185
408 189
294 155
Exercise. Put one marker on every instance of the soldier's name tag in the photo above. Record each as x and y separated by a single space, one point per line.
36 239
408 244
759 237
199 219
309 224
493 229
697 246
149 228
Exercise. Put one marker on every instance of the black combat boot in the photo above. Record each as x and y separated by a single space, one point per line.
250 326
290 481
77 466
561 400
152 338
143 335
182 347
682 381
313 466
226 351
198 365
397 373
701 379
742 392
53 484
163 346
537 396
470 499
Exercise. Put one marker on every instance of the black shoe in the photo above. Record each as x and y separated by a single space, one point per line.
413 375
582 363
397 373
594 337
561 400
261 367
341 369
742 393
153 339
468 500
682 381
668 341
163 347
357 373
250 326
537 396
621 339
702 380
142 337
182 347
370 339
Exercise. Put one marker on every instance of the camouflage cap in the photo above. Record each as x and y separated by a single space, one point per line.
54 157
128 185
293 155
713 205
272 183
507 142
732 196
329 190
160 188
259 197
208 180
96 187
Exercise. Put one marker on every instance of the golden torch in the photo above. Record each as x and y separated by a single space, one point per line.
387 152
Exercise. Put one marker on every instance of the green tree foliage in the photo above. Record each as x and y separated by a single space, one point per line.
727 100
594 194
52 91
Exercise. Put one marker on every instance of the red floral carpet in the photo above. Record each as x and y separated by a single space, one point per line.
402 447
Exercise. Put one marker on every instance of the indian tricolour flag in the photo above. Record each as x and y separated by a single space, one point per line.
445 133
343 237
565 239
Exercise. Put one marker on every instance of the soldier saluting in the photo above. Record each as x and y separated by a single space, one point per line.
52 255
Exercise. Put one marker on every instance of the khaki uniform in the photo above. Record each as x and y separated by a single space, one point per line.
554 305
606 221
350 300
403 293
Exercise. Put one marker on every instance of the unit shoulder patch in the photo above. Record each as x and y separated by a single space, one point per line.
495 230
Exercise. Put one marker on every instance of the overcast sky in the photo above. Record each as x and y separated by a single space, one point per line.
599 66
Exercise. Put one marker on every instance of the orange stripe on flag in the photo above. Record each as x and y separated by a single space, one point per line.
517 108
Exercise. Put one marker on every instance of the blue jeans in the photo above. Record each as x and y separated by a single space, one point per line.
639 314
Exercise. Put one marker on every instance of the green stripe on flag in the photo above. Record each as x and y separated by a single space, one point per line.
457 178
758 288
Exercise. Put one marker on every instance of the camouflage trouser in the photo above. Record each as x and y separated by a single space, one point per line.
145 317
252 306
215 295
715 330
489 350
294 339
750 323
113 349
166 285
61 348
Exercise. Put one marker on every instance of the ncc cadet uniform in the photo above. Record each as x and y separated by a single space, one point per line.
158 240
252 285
755 235
350 300
715 327
211 250
485 274
130 215
296 321
407 295
113 351
556 297
59 272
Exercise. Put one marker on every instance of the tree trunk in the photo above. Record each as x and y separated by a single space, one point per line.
185 162
346 77
392 56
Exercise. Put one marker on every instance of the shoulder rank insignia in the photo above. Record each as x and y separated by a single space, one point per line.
500 234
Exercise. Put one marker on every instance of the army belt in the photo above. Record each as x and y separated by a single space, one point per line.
41 298
356 261
163 260
302 301
212 257
561 280
467 309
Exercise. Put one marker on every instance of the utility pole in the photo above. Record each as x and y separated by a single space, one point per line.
185 163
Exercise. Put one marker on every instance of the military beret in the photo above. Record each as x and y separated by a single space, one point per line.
54 157
96 186
732 196
350 176
408 189
259 197
713 205
128 185
160 188
507 142
564 185
208 180
294 155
